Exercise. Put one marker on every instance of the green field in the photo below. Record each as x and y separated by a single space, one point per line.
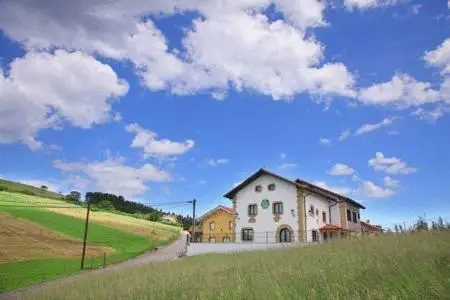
126 244
410 266
16 187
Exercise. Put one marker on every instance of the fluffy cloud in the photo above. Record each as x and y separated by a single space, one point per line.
401 91
430 115
366 4
344 135
287 165
366 128
113 176
147 140
232 46
341 170
440 57
390 182
45 90
216 162
390 165
372 190
325 141
337 189
52 185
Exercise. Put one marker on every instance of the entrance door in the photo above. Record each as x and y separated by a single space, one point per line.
285 236
314 236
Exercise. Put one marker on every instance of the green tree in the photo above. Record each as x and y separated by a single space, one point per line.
44 187
105 204
74 196
421 225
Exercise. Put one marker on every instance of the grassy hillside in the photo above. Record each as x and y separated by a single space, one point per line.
412 266
105 230
17 187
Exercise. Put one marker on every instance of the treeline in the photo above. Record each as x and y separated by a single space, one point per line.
106 201
421 225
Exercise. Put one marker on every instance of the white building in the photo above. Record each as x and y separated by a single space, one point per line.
269 208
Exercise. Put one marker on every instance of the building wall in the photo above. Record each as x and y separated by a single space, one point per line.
264 225
222 228
315 221
351 225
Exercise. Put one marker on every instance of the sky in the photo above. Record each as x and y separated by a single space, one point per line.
165 101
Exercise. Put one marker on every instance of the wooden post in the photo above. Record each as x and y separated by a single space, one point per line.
86 224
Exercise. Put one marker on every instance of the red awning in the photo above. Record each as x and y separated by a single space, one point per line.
331 228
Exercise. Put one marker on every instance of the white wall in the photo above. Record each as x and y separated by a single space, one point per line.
265 227
315 222
335 214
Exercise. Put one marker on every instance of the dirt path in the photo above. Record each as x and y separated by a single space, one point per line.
170 252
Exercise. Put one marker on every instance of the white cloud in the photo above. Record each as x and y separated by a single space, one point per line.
430 115
390 182
366 4
416 8
325 141
216 162
440 57
337 189
372 190
344 135
287 165
232 46
341 170
283 156
45 90
147 140
113 176
401 91
366 128
390 165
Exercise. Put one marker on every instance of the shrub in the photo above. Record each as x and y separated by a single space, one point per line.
106 205
3 188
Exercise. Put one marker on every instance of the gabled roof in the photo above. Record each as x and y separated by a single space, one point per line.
223 208
327 193
244 183
300 183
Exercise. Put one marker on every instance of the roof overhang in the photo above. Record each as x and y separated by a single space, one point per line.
225 209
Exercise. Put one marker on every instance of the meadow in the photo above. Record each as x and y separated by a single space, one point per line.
409 266
42 243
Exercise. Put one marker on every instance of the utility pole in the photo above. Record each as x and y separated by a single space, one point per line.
85 234
193 219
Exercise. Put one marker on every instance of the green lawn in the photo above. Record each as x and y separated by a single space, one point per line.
17 187
415 266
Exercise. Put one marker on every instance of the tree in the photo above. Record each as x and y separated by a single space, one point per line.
44 187
421 225
396 228
105 204
74 196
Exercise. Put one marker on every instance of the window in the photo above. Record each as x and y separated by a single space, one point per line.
252 210
278 208
311 210
258 188
314 236
354 217
285 236
349 215
317 212
324 217
212 239
212 226
230 225
247 234
271 187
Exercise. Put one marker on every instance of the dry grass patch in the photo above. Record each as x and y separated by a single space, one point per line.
156 231
24 240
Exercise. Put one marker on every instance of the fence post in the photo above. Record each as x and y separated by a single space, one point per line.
85 234
104 259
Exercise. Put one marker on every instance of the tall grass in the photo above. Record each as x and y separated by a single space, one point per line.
415 266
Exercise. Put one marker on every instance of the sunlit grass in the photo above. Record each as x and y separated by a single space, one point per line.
412 266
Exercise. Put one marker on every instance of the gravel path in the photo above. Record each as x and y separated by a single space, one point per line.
170 252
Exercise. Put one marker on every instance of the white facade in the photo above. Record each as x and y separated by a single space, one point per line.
265 227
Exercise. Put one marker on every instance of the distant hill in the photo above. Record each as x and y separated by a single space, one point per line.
17 187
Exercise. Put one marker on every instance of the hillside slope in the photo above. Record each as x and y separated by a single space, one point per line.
17 187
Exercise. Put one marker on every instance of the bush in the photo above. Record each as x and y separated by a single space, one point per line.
3 188
106 205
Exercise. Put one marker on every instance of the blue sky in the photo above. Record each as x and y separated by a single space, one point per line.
166 102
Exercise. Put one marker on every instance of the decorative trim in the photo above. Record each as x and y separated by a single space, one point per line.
252 219
301 215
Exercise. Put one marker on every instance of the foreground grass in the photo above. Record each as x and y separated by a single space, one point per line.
387 267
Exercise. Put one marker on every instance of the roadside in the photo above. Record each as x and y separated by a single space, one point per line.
166 253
